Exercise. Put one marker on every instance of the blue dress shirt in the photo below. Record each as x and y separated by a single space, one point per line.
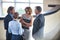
15 27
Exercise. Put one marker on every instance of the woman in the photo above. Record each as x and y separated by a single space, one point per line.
26 21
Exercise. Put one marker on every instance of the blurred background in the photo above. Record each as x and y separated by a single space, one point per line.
52 22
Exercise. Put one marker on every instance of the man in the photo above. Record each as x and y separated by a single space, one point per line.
38 25
15 28
7 19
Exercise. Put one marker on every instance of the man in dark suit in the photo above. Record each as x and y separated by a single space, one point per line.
7 19
38 25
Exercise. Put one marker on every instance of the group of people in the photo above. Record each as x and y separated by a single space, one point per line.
19 30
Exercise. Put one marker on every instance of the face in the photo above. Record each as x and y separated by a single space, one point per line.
36 11
13 11
16 16
29 12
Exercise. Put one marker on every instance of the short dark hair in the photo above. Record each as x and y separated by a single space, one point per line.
39 8
9 9
15 15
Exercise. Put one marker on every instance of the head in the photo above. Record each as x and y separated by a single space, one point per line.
16 15
38 10
11 10
28 10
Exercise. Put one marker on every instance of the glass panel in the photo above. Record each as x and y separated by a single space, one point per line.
33 7
0 0
8 0
37 1
22 0
5 7
0 9
20 8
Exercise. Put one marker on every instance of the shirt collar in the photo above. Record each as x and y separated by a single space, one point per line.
15 19
37 15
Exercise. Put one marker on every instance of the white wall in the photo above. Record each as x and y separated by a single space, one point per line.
52 22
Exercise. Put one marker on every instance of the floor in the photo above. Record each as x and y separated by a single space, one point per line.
2 33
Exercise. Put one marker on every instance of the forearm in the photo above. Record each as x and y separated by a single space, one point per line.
29 24
25 23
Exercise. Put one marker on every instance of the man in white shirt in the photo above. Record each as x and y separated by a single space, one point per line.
15 28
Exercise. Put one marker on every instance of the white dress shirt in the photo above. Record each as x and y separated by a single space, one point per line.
15 27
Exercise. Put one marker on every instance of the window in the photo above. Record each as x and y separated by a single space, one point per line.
33 7
5 7
20 8
22 0
19 5
7 0
0 8
37 1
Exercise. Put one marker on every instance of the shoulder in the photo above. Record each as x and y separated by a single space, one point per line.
41 15
23 15
11 22
31 17
8 16
18 22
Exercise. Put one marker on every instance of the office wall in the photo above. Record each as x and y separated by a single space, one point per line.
52 22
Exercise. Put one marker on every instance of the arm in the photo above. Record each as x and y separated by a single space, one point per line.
30 24
22 21
26 24
6 23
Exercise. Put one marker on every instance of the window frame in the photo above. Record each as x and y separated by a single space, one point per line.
15 5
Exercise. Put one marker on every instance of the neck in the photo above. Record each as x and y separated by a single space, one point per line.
15 19
9 13
28 14
38 14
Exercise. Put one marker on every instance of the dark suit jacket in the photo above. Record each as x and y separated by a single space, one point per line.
7 19
38 23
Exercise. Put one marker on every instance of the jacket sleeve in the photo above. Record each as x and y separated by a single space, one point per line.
6 23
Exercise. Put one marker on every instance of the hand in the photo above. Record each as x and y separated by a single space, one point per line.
28 26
